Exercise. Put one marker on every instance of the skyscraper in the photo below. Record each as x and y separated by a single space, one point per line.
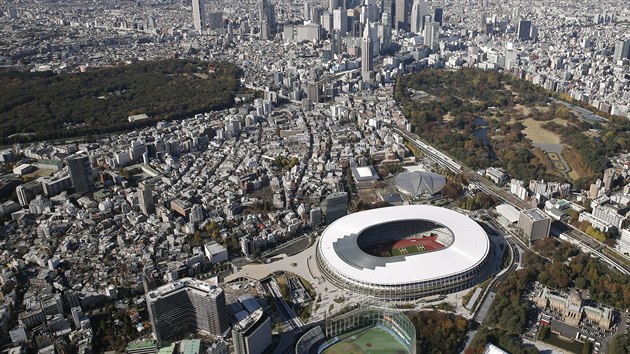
199 14
535 224
187 306
28 191
307 10
524 29
388 7
332 5
336 206
482 23
252 335
401 16
267 18
313 92
145 199
431 34
609 178
336 41
437 15
79 166
340 21
419 10
367 61
384 33
372 11
622 50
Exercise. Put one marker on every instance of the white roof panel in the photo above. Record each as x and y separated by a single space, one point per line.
364 172
470 246
508 212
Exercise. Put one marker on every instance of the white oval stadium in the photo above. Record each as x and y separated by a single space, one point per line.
403 252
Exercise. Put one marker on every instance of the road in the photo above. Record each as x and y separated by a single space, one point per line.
560 228
570 232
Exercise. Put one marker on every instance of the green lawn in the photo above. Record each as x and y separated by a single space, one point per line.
373 340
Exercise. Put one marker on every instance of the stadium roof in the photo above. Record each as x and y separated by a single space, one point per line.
340 250
417 183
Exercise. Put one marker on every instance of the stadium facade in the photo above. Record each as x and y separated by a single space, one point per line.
395 323
453 259
348 323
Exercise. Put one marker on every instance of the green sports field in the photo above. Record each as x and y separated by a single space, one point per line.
373 340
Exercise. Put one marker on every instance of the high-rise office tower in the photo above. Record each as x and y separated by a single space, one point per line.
438 14
622 50
482 23
336 206
356 29
419 10
252 335
609 178
384 33
388 7
79 166
401 16
373 10
187 306
524 29
367 61
199 14
340 20
145 199
28 191
535 224
336 42
431 34
313 92
334 4
267 18
315 15
326 20
307 10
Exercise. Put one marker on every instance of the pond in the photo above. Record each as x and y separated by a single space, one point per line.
572 346
481 132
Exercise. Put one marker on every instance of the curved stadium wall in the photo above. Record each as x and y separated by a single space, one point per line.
456 267
395 322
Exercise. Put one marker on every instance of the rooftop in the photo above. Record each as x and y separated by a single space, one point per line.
535 214
469 248
185 283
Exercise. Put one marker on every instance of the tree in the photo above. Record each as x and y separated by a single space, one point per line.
587 348
197 240
544 332
451 190
438 332
620 344
234 243
580 283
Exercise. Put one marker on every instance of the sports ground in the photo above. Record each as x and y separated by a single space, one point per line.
374 340
406 247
